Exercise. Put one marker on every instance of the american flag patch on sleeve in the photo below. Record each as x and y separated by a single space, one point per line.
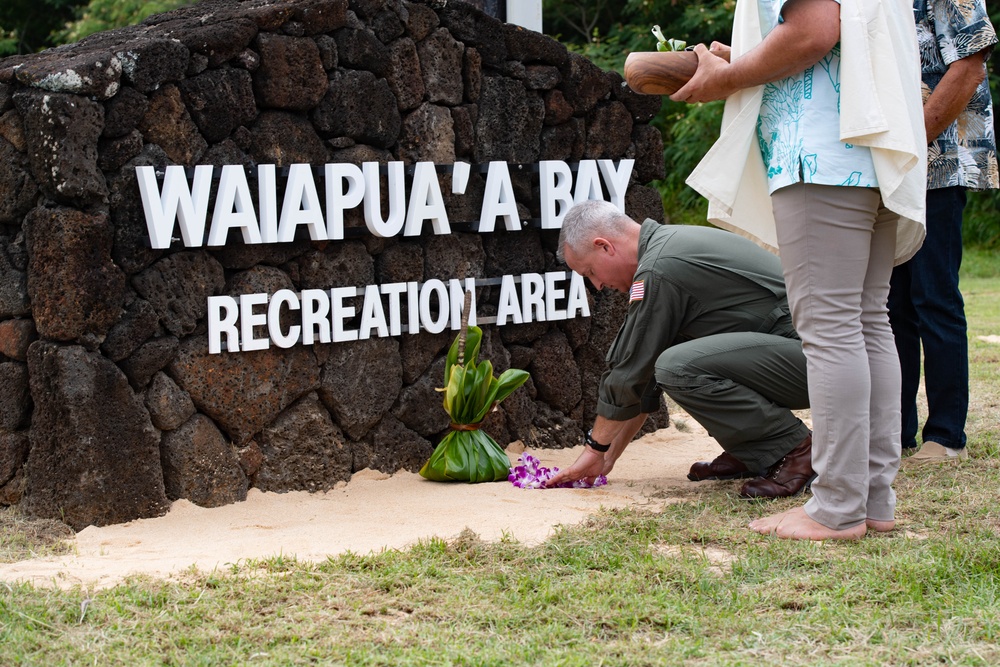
637 292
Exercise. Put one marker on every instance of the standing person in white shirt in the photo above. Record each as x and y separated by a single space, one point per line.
823 115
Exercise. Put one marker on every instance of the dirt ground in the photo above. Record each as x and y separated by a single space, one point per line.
372 512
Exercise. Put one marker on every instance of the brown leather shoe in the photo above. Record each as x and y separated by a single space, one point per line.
790 476
725 466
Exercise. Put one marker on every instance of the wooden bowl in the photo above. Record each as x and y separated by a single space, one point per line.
659 72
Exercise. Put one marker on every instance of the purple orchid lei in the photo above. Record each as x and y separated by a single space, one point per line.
530 474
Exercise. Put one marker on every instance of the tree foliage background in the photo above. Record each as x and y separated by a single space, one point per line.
605 31
27 26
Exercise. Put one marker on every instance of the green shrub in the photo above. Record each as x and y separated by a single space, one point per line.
100 15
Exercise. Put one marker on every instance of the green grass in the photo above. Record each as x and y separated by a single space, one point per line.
689 585
981 288
977 263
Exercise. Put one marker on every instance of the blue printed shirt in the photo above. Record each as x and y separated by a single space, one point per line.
798 128
965 154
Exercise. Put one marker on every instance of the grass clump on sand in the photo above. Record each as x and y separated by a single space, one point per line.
22 538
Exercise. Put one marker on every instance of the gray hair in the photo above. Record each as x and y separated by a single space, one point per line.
586 221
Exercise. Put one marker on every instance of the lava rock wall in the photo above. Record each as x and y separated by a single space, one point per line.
112 405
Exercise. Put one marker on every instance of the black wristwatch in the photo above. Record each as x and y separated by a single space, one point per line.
593 444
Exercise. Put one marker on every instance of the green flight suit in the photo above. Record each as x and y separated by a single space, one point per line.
708 324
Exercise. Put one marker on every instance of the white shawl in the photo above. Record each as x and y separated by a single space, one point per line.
881 107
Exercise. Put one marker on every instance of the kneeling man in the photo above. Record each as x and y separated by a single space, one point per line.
707 323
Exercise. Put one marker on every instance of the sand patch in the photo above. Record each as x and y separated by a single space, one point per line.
372 512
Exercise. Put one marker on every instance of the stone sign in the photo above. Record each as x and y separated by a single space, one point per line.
149 360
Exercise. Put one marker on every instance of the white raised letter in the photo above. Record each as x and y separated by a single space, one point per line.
577 299
553 294
372 314
338 201
426 202
460 177
315 316
588 182
427 290
188 206
498 200
301 206
373 200
233 208
339 313
218 325
412 308
249 320
616 180
394 290
555 185
267 195
532 297
280 298
508 306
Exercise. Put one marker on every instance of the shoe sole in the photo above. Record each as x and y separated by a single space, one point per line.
913 462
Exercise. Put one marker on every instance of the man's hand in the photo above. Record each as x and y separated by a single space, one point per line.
710 80
609 464
587 466
724 51
809 30
591 463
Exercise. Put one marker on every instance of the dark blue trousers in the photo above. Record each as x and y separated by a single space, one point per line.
927 313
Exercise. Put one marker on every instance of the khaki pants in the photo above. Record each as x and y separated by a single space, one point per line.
837 246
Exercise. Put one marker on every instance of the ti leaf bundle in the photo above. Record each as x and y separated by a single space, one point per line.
468 454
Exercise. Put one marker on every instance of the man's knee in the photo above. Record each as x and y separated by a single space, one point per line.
674 371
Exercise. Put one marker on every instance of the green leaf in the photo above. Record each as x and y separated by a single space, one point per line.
484 380
500 389
467 456
510 380
455 393
468 408
473 338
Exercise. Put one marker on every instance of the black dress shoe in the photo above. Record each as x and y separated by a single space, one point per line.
725 466
790 476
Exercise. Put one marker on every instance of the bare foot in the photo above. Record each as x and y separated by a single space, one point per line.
795 524
766 525
880 526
